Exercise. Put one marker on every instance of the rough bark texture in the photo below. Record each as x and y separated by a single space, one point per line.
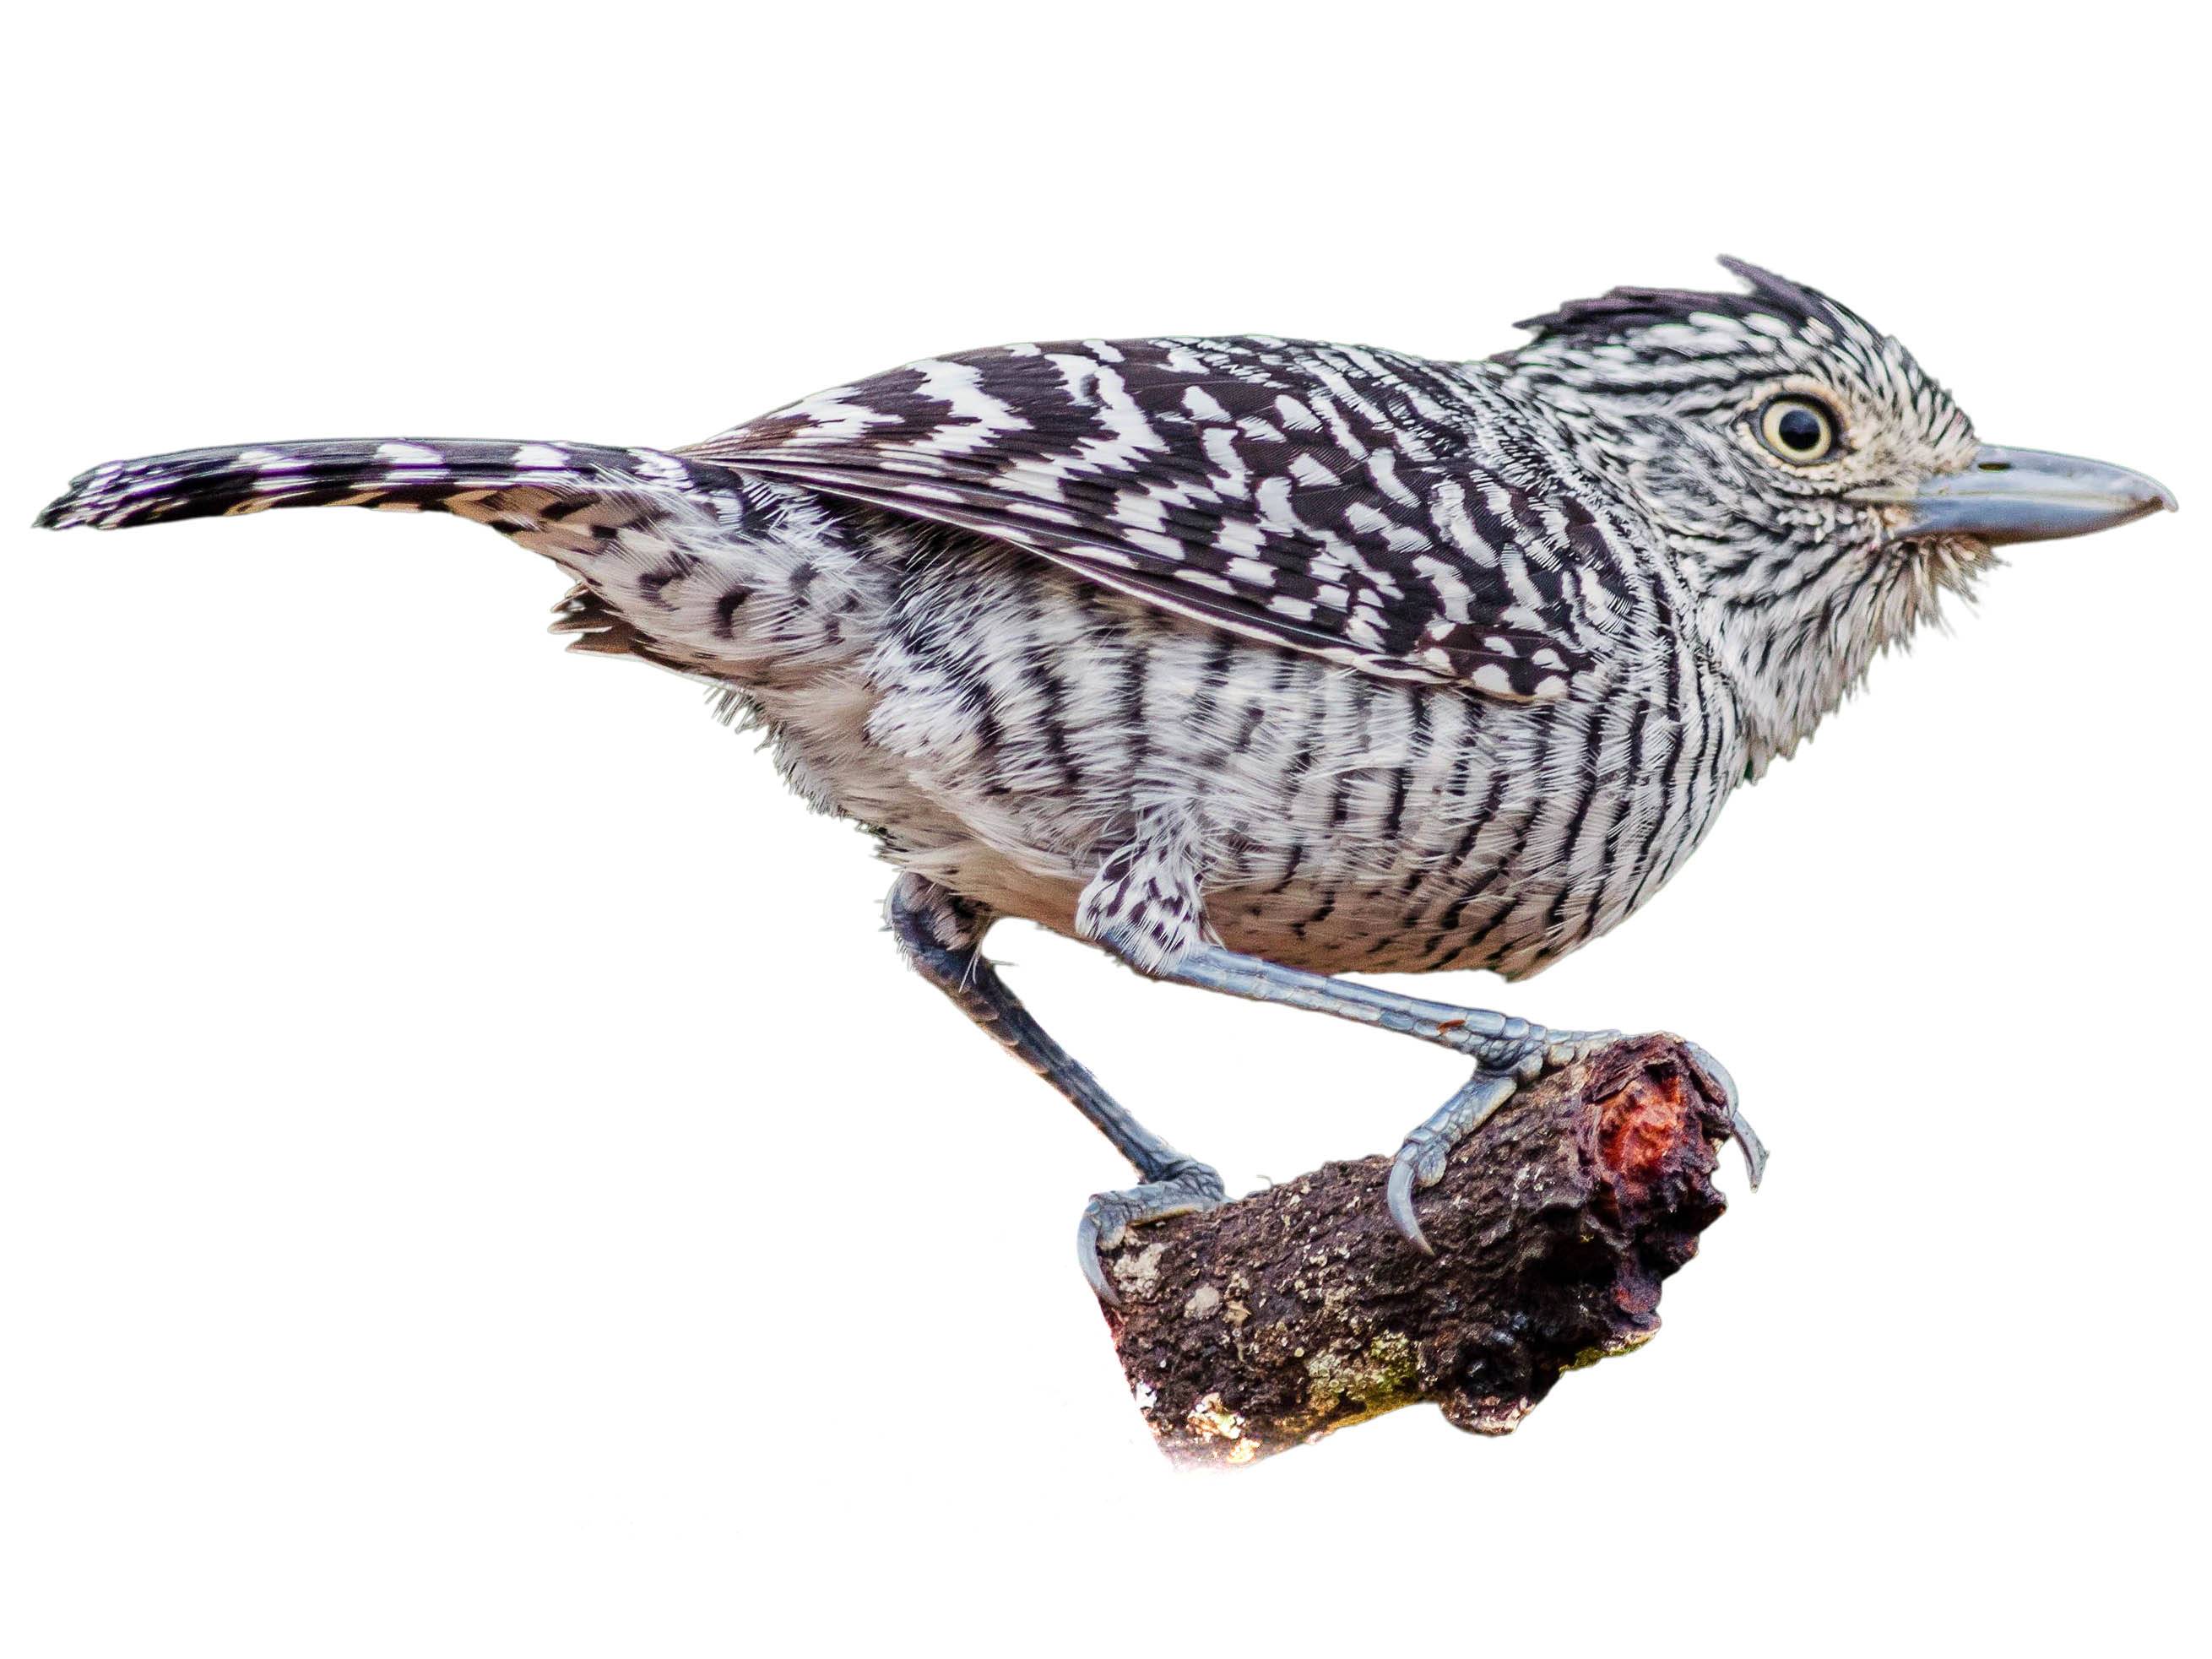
1275 1319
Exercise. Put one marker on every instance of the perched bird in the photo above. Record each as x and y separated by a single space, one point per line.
1258 661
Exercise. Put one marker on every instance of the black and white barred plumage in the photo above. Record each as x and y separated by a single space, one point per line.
1322 656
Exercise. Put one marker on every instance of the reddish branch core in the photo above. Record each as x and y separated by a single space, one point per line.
1643 1130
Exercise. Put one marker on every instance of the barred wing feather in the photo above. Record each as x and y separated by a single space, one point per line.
1387 511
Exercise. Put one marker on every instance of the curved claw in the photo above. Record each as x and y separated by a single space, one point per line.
1398 1197
1753 1150
1087 1245
1420 1161
1185 1185
1718 1081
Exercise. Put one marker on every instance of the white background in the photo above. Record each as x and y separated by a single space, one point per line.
476 1179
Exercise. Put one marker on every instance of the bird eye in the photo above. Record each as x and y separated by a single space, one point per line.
1798 430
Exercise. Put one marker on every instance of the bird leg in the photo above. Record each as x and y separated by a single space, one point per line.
1507 1052
940 934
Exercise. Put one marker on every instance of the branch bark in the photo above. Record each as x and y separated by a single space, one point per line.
1283 1317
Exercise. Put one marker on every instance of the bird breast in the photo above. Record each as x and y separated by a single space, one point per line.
1001 725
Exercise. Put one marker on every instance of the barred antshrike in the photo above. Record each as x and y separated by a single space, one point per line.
1256 660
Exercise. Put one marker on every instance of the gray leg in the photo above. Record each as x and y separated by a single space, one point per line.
941 934
1506 1051
1496 1042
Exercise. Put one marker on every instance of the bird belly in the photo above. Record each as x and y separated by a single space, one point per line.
1010 726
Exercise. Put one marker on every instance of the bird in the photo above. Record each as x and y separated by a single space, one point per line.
1260 662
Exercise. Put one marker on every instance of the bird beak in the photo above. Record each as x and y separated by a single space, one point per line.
2021 496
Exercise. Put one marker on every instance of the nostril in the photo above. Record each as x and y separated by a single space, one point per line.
1994 466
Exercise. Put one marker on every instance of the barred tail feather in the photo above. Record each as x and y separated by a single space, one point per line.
680 561
406 474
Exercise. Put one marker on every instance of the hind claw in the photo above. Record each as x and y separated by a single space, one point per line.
1187 1187
1717 1083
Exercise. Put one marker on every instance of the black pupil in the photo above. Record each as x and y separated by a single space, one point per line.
1799 430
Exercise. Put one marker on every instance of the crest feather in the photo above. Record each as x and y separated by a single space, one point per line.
1623 310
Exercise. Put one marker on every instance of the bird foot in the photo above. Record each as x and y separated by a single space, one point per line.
1420 1164
1187 1185
1522 1055
1713 1077
1526 1052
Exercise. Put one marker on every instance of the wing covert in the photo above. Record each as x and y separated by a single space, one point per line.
1380 510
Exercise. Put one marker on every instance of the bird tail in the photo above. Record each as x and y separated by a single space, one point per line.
394 474
677 560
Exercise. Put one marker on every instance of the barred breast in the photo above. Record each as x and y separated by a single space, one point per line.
1010 722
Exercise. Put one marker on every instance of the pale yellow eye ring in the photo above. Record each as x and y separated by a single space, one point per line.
1798 430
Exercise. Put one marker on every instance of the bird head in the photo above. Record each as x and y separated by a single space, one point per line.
1821 487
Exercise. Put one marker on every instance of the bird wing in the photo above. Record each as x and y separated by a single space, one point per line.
1384 511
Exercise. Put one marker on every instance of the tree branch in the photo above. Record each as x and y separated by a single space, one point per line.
1279 1317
